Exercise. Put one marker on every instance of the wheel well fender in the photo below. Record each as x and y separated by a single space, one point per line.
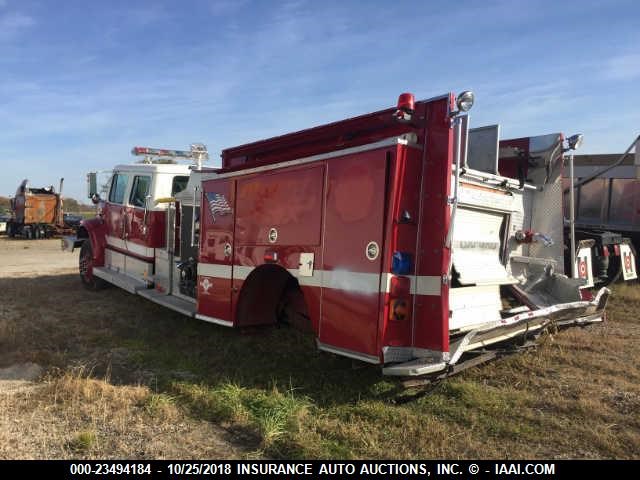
262 294
95 231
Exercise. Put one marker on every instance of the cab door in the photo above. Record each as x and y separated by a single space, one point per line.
140 224
215 267
115 209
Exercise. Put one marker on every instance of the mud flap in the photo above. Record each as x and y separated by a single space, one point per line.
584 266
628 260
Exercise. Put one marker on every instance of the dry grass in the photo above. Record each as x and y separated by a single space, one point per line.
72 415
128 379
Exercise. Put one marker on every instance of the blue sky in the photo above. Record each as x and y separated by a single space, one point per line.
81 82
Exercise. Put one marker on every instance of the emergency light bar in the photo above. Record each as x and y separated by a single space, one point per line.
161 152
198 152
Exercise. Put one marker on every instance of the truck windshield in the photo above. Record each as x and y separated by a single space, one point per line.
118 188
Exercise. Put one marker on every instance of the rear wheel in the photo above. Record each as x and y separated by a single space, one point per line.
89 280
292 308
614 272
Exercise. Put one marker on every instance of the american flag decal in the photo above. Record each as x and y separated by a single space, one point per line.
218 204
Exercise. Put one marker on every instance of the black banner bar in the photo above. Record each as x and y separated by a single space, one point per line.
437 469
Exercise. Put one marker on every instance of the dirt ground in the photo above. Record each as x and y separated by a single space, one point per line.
31 258
51 404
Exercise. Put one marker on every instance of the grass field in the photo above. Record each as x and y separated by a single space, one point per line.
126 378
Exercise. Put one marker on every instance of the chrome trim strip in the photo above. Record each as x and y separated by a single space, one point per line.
130 246
363 357
420 284
217 321
336 279
314 158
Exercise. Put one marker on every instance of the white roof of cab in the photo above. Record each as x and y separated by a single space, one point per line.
154 168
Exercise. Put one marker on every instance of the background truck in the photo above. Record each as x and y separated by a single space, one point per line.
391 236
36 212
607 211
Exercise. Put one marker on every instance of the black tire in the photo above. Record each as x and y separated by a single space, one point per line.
11 230
28 233
614 272
85 266
292 308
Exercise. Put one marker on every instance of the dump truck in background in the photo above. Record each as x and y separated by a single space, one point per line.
607 212
36 212
392 237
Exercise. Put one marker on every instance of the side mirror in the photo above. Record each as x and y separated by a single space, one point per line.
95 198
92 185
575 141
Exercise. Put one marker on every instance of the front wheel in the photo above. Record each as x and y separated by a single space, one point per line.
89 280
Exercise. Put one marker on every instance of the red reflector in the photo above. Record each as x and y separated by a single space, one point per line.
271 257
400 286
582 268
605 251
586 294
616 250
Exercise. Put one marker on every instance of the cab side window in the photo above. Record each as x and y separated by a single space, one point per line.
179 184
139 191
118 188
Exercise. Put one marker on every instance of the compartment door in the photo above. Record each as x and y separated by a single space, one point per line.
477 246
215 267
352 258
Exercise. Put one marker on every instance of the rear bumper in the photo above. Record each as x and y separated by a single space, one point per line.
521 325
71 242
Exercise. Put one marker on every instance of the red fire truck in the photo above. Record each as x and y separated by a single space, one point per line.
391 236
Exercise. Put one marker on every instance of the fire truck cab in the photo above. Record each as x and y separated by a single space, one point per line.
393 237
134 223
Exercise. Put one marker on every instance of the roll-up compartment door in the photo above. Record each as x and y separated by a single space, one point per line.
477 247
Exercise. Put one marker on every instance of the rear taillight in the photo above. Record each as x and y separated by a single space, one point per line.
399 298
586 295
399 309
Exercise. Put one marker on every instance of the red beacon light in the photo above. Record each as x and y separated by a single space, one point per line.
140 150
405 107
